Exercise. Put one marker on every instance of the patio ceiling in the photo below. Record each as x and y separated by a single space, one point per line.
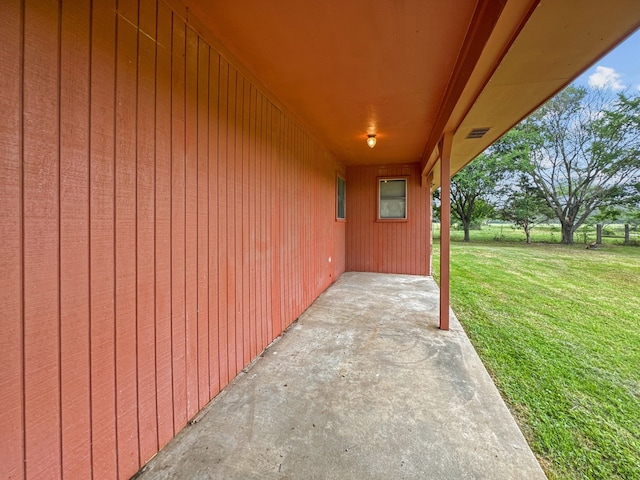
410 70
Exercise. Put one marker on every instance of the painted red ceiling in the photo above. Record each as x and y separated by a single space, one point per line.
350 68
408 69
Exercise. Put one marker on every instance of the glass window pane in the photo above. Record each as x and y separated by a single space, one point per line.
391 208
392 188
393 198
341 210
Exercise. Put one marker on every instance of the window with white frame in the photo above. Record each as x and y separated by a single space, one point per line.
392 199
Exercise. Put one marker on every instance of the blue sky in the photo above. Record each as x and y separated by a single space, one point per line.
619 70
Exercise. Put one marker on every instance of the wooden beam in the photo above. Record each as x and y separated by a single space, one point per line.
482 24
445 224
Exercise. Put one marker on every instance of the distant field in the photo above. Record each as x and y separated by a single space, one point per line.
559 330
548 233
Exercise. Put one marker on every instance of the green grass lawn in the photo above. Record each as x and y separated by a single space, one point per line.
558 328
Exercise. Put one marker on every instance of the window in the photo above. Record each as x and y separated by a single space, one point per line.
392 200
340 199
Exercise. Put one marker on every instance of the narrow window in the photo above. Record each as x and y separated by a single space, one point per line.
340 199
392 201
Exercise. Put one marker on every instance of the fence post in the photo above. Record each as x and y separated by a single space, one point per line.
599 233
626 234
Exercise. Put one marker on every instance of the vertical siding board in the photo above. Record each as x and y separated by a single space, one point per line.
306 226
285 232
294 211
371 238
238 205
287 260
308 221
268 216
125 251
353 204
229 226
191 247
276 174
145 226
253 294
305 222
214 338
314 257
261 284
302 220
41 242
421 221
178 225
299 219
354 223
291 228
223 334
11 340
203 225
74 242
418 264
259 253
414 252
325 245
103 391
247 207
163 279
264 204
280 174
260 244
413 249
296 220
310 224
327 194
315 254
419 226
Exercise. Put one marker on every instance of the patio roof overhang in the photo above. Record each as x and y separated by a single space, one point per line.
410 70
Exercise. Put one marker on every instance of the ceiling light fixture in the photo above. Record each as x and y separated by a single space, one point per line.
371 140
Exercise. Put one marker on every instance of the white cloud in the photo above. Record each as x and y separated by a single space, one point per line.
606 77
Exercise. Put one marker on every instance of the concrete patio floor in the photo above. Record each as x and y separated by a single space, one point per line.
363 386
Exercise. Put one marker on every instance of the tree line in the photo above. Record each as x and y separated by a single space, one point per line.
576 159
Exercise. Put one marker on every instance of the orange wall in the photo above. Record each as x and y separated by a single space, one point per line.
162 221
387 246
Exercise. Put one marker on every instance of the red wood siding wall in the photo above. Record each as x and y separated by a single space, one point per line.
162 221
387 246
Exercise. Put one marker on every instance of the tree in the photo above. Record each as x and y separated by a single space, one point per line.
607 214
471 188
525 207
582 151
